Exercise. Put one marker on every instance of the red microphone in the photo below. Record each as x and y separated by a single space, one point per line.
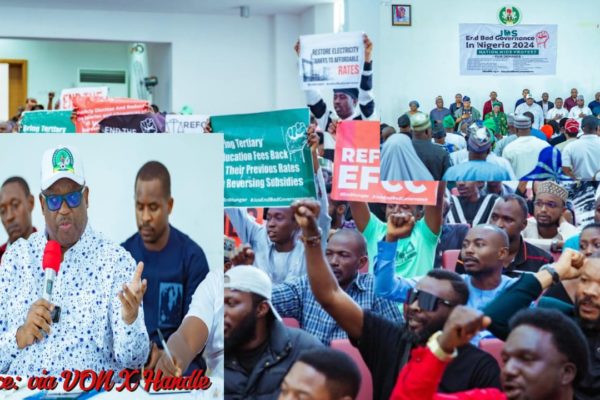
50 265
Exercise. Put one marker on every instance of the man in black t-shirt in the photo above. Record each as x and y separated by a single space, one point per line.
385 346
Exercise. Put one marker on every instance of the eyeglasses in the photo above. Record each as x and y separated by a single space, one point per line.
427 301
548 204
54 202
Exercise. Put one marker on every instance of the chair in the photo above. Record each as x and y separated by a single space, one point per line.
449 258
366 385
493 346
291 322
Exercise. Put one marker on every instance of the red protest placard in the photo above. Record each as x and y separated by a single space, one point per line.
89 111
357 165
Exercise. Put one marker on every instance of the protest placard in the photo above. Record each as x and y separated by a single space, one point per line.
133 123
67 96
55 121
91 110
176 123
333 61
488 49
357 165
267 160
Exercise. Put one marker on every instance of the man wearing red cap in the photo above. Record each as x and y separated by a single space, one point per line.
571 131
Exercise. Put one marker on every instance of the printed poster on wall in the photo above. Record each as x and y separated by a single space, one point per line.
487 49
91 110
332 61
357 165
267 160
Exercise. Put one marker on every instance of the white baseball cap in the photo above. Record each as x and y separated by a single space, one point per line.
61 162
248 278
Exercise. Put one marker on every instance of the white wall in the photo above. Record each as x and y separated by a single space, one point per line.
422 61
53 65
221 64
159 65
111 163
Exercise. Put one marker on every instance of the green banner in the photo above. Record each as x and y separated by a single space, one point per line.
267 160
56 121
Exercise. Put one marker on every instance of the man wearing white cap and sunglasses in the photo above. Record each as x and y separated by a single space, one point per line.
259 348
101 324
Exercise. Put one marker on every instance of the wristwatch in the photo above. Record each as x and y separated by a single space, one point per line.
552 271
437 350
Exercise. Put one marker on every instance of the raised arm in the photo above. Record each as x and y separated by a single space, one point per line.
361 215
527 289
433 214
348 315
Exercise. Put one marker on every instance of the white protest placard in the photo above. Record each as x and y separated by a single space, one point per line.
176 123
333 61
487 49
67 96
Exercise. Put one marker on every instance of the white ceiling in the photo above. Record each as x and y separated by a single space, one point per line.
257 7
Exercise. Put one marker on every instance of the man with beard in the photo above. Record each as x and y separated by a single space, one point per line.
174 264
586 312
424 234
484 253
337 211
259 348
16 205
322 374
384 345
547 229
588 243
469 207
545 358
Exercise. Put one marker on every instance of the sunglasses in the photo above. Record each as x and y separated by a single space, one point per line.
427 301
54 201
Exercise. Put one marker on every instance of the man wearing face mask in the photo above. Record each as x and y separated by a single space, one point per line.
385 346
101 326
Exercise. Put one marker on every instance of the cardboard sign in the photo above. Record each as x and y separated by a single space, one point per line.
357 166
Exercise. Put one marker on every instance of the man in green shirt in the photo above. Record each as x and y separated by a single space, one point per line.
415 253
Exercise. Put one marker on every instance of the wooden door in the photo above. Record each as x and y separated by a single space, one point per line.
17 84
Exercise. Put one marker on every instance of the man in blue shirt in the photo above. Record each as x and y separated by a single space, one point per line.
477 168
174 264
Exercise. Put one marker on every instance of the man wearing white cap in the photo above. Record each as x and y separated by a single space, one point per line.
523 152
533 108
259 348
101 324
580 110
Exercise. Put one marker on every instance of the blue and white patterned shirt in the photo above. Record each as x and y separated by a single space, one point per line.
90 333
295 299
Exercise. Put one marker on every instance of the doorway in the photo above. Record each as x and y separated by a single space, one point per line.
14 86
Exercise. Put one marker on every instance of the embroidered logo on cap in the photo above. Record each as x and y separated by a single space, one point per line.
62 160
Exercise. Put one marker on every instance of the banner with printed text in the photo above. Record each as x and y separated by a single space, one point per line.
488 49
176 123
333 61
89 111
357 165
43 121
68 96
267 160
